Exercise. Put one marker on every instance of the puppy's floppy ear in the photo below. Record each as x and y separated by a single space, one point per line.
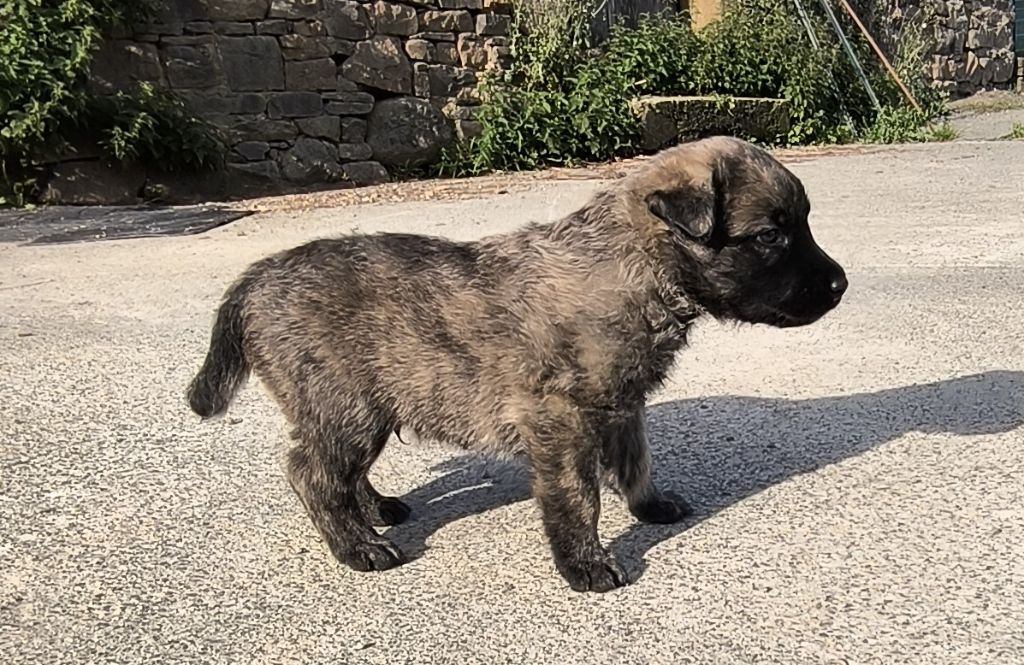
692 210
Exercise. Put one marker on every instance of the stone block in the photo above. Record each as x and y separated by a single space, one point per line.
295 105
310 160
394 19
435 36
407 132
353 130
234 28
421 79
461 4
472 52
446 81
196 64
492 24
268 169
319 74
419 49
321 127
300 47
497 6
380 63
446 53
264 130
350 103
275 27
252 63
343 46
665 121
972 70
344 86
365 173
354 152
446 21
468 129
1002 67
346 19
121 64
199 28
217 102
252 151
294 9
171 16
312 28
237 10
498 57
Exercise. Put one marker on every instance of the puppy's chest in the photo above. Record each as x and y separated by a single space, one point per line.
617 362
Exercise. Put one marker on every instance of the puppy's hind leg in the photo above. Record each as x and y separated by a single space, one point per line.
327 469
626 455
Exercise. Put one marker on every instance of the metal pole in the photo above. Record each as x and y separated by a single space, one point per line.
809 28
878 52
849 52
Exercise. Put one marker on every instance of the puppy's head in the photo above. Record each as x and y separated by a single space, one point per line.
738 223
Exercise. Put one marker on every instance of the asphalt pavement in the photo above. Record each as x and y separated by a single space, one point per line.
858 484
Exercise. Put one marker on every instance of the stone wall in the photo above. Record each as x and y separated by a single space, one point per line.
318 91
969 43
973 45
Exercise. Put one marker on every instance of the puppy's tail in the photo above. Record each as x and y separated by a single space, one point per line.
226 366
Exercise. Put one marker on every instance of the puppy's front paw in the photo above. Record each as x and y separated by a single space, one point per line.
600 575
367 556
663 508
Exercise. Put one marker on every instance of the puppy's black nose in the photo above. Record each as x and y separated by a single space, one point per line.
838 285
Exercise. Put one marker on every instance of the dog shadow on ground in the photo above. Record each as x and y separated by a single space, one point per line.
716 451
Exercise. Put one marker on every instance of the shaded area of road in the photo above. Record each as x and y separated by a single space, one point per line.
66 224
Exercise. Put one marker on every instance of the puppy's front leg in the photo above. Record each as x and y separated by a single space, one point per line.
627 456
565 461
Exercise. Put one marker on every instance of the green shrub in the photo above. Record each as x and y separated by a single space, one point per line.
46 48
152 126
1016 132
562 102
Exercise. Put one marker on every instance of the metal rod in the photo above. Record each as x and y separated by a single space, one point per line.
850 53
816 45
881 56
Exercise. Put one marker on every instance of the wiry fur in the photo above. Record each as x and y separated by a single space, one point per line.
544 342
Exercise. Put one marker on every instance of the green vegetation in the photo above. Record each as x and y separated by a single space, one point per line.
1016 132
562 102
46 48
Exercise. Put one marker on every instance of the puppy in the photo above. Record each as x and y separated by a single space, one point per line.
544 342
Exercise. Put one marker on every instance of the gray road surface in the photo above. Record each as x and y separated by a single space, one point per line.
859 484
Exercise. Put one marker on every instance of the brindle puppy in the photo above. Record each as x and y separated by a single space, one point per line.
543 342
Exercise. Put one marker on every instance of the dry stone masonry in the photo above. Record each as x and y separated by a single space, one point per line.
972 45
345 91
316 91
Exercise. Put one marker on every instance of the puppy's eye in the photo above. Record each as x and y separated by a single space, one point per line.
771 237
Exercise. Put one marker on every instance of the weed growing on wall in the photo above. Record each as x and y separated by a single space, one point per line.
46 48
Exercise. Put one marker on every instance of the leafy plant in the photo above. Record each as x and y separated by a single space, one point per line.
46 49
563 101
151 125
1016 132
942 132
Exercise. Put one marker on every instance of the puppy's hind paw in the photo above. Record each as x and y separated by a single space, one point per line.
599 575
